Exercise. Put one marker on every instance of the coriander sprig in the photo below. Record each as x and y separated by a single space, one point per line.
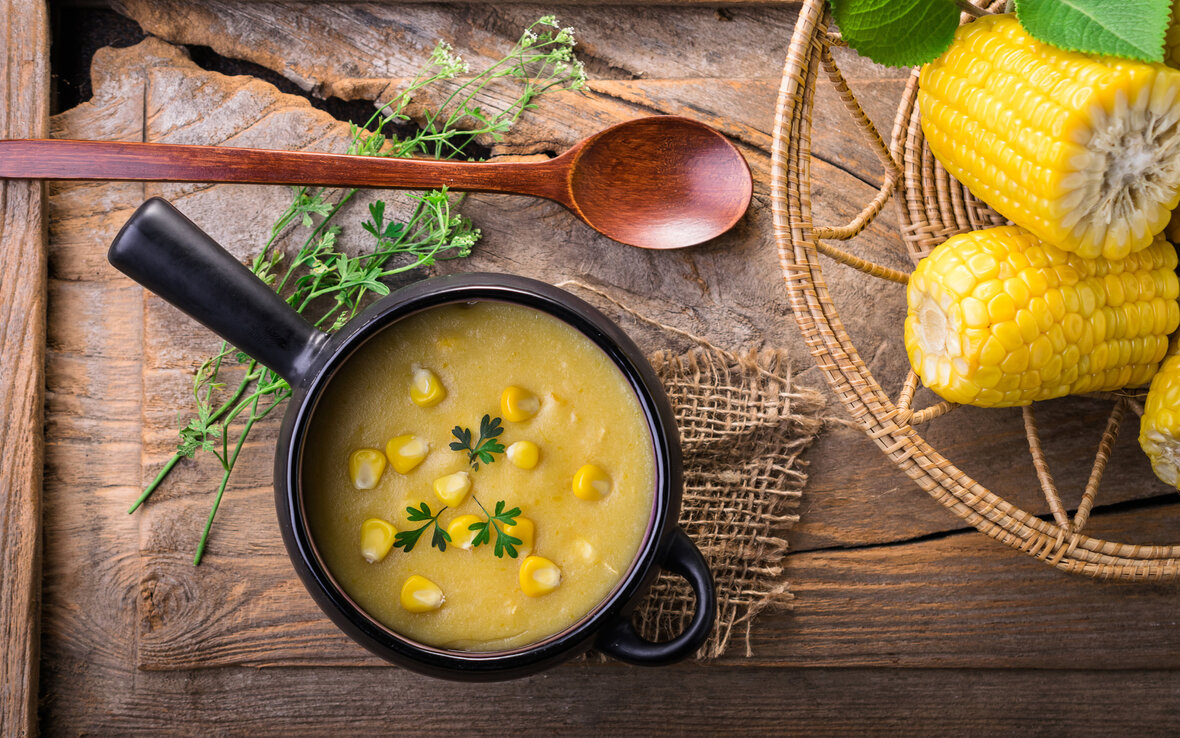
482 450
504 543
407 539
329 284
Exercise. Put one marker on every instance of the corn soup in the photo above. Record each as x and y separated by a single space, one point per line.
548 428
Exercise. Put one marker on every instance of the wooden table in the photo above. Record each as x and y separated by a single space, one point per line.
905 620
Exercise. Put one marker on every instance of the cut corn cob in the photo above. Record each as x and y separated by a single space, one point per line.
1159 428
1083 151
998 319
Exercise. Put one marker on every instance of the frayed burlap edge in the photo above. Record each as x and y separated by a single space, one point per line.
744 427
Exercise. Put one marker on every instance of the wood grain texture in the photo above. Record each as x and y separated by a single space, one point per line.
138 641
612 699
24 112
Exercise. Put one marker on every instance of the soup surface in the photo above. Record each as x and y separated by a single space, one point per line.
585 414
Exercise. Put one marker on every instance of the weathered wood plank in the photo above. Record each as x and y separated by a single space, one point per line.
840 509
244 606
595 700
961 600
354 51
24 113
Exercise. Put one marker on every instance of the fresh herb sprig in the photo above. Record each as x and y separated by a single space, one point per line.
328 285
484 448
504 542
407 539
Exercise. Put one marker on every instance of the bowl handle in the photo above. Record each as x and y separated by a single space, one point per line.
620 639
168 254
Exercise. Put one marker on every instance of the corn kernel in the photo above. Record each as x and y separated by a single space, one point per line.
376 539
405 453
591 483
426 390
453 488
365 467
419 594
585 550
460 531
539 576
524 454
518 404
525 530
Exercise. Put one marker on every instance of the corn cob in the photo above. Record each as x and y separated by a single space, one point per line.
1159 428
997 318
1082 151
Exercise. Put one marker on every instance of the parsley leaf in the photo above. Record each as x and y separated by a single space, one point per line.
407 539
504 542
489 430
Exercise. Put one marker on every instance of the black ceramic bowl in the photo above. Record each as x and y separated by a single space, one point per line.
168 254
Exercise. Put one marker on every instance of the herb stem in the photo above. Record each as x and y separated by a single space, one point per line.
221 488
147 492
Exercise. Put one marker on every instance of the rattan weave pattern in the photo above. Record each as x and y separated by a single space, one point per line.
933 207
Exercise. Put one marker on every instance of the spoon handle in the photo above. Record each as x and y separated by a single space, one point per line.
156 162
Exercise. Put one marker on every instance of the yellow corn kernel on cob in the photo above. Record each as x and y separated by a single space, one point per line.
997 318
1084 151
1159 428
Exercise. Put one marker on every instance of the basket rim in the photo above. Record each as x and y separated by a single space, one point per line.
850 378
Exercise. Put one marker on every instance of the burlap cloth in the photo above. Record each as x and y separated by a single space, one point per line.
743 427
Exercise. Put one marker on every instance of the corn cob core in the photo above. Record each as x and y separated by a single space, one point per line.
1083 151
997 318
1159 428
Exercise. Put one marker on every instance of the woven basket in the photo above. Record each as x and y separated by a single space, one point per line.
933 207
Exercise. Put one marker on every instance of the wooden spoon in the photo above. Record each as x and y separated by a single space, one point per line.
661 182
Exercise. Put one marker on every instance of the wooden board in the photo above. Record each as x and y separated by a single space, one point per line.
138 640
24 113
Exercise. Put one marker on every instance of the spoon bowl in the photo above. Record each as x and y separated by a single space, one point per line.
661 182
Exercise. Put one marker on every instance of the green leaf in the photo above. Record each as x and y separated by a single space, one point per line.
897 33
1129 28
